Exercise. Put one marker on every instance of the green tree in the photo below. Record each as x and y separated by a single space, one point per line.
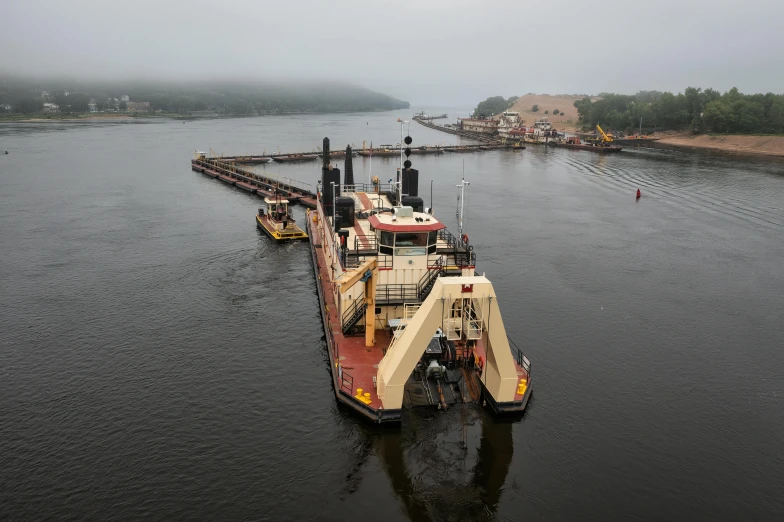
710 95
77 102
491 106
718 116
556 112
30 105
747 116
694 104
535 108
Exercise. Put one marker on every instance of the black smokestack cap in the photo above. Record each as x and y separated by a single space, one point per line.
326 154
349 176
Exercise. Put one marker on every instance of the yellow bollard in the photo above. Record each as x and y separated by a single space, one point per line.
367 399
522 386
359 393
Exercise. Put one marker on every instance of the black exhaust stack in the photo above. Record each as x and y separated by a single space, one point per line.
349 175
329 175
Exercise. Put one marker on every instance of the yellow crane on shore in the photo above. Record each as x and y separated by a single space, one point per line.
605 137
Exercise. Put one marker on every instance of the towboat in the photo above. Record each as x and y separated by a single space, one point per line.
276 221
408 322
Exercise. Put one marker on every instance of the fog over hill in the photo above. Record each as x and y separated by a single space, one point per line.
237 98
435 52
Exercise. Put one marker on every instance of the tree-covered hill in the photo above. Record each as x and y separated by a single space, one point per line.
234 98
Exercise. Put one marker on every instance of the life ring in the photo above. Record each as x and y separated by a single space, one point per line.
464 237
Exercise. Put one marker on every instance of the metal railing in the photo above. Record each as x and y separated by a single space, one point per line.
367 244
366 187
461 253
450 239
353 313
521 359
354 259
346 381
397 293
428 279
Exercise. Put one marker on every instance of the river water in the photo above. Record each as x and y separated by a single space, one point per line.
161 360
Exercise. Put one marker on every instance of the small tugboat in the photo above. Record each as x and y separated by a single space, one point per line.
408 322
277 222
296 157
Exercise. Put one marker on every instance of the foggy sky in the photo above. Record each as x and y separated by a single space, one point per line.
428 52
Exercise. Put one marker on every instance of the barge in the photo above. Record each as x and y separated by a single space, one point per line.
408 321
465 148
575 144
379 153
295 157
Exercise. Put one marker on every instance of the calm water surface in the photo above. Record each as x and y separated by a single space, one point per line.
161 360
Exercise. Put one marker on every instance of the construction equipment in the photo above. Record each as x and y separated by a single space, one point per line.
605 138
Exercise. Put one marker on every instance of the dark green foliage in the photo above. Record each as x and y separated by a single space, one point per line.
29 105
547 112
535 108
491 106
235 98
75 102
694 109
556 112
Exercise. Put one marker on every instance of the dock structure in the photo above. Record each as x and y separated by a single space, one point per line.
424 116
478 136
264 186
490 143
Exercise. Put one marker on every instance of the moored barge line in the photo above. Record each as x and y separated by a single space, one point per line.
295 192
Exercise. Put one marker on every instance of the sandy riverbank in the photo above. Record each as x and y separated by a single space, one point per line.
567 118
737 144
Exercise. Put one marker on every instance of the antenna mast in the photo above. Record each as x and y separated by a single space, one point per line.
463 184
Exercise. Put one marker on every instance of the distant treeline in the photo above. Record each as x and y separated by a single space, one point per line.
29 96
694 109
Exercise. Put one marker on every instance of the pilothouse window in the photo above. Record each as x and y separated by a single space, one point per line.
411 244
411 240
387 242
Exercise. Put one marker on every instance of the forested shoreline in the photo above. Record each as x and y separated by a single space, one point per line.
696 110
24 96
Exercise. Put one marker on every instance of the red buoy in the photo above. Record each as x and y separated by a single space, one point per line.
639 193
